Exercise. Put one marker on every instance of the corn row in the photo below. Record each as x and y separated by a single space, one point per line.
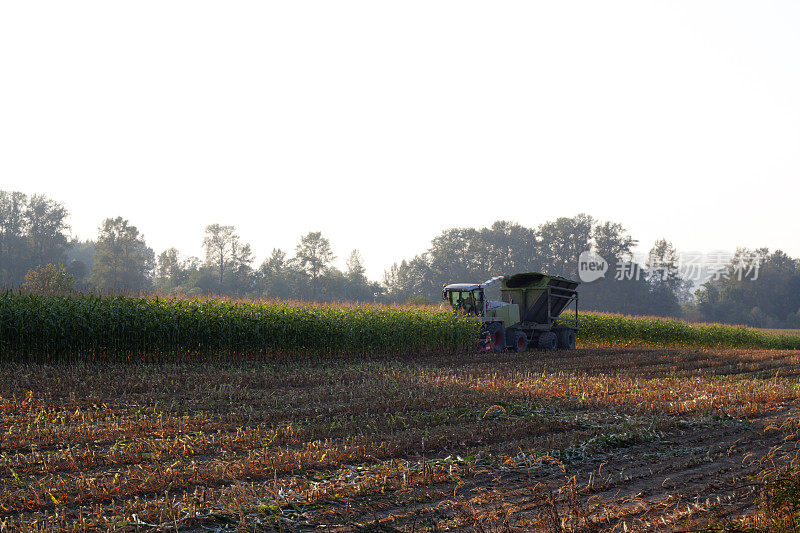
36 327
603 328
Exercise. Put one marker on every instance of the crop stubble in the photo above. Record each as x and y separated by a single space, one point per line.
615 437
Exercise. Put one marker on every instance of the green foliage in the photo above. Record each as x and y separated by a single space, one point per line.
314 256
766 297
51 328
778 509
122 261
621 330
783 492
229 258
48 279
33 232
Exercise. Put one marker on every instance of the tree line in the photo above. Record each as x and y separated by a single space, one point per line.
34 233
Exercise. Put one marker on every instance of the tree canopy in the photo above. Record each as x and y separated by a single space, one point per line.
122 260
34 233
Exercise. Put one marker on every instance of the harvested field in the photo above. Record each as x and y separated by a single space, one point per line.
597 438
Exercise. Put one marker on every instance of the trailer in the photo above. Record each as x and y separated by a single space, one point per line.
535 310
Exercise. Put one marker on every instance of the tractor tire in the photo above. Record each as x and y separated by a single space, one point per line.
566 338
548 341
520 341
498 336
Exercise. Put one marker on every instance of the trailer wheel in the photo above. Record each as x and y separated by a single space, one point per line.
520 341
548 341
566 338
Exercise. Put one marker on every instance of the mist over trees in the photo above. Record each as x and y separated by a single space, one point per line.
35 242
772 300
469 254
33 232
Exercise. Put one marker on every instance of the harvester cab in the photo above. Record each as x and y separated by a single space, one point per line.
466 298
470 298
528 314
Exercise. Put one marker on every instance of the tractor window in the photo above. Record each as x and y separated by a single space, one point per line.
455 298
469 302
478 295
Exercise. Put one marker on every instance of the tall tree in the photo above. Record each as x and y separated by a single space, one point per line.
275 276
667 287
663 264
12 237
219 244
510 247
122 260
358 287
412 280
79 261
33 232
275 264
355 268
612 243
240 267
624 287
314 256
562 242
664 269
169 270
229 258
47 228
457 254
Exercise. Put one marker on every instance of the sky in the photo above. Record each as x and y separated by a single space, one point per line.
381 124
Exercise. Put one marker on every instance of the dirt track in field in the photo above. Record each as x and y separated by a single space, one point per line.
596 439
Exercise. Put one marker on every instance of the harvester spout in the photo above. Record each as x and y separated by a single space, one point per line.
492 281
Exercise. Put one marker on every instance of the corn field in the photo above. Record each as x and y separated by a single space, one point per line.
52 328
36 327
619 330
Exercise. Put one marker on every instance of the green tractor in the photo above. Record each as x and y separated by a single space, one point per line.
529 313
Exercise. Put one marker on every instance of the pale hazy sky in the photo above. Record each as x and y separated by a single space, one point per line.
382 124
